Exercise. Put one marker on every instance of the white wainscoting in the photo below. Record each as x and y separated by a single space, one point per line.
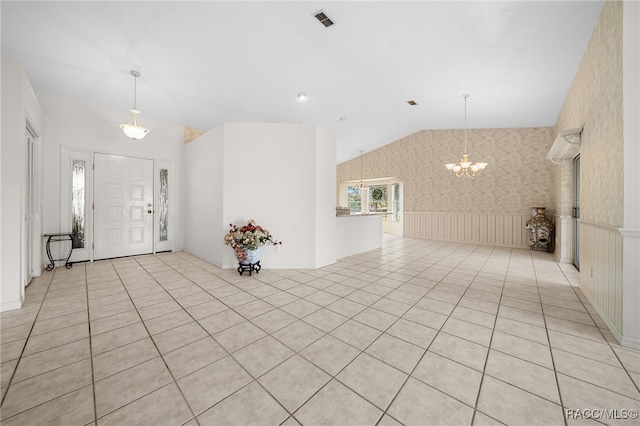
601 271
498 229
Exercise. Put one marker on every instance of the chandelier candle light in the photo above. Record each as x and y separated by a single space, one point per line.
465 167
133 129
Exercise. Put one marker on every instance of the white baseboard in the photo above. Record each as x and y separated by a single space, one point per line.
11 305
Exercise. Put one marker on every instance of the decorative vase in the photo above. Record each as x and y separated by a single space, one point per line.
253 256
539 229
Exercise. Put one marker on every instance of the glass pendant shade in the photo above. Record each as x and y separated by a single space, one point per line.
133 128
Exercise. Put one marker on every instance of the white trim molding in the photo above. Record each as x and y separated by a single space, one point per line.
563 238
630 288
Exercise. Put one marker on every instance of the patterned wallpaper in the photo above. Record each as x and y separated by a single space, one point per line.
191 134
517 178
594 102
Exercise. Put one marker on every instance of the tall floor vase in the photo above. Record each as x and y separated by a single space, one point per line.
539 229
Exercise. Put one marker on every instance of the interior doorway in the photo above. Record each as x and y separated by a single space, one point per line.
29 195
576 212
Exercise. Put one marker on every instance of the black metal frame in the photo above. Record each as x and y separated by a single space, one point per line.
68 236
249 267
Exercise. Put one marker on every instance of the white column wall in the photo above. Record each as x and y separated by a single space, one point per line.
270 176
203 230
280 175
325 197
19 107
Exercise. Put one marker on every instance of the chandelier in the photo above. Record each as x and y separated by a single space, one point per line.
361 184
465 167
133 129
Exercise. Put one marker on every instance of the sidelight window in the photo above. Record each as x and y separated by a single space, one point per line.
78 191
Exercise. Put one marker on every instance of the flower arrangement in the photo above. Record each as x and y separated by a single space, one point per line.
249 237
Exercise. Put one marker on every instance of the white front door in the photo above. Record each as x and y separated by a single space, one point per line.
123 206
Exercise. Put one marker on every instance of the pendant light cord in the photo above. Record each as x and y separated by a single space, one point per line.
465 123
135 92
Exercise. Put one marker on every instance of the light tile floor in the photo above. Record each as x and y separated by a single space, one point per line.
418 333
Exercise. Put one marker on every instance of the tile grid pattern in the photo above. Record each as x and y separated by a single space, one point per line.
419 332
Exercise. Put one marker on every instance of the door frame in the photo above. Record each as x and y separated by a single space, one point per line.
169 244
66 167
30 254
68 154
575 214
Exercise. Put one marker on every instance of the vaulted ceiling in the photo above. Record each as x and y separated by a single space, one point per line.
208 62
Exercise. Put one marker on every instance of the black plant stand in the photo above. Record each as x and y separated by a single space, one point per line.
54 238
249 267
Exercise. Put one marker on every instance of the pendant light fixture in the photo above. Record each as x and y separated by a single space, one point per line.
465 167
361 184
133 129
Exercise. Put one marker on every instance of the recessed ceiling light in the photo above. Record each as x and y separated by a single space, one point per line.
412 103
343 118
302 96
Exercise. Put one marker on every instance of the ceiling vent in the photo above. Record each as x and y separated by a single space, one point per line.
412 103
323 18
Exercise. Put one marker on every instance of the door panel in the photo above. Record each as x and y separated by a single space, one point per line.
123 206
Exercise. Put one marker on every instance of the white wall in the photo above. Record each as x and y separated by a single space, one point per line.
203 233
83 127
19 107
357 233
325 197
280 175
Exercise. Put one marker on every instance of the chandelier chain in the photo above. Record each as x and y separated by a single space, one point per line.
465 123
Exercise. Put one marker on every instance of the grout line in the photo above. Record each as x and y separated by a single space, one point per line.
553 361
93 381
450 259
33 324
157 349
636 385
22 354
